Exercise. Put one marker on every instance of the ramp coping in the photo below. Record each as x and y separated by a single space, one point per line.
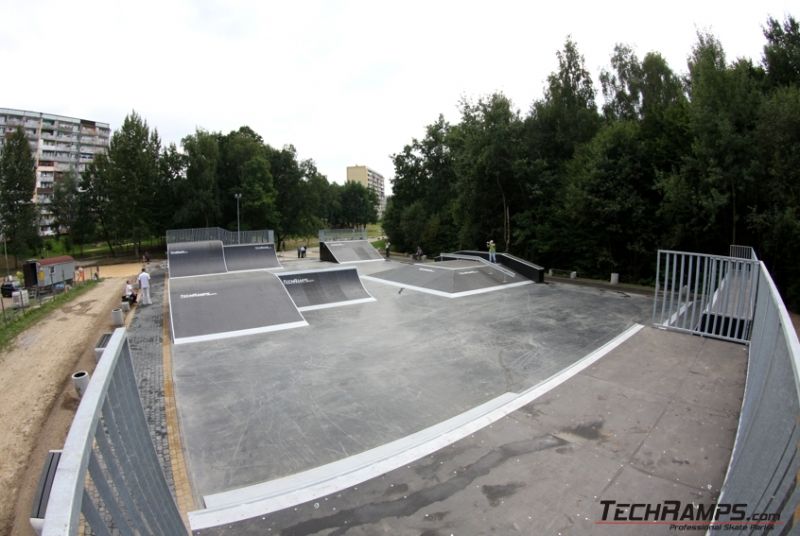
261 499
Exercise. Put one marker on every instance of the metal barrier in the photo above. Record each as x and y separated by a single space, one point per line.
342 234
705 294
217 233
743 252
108 471
481 260
764 465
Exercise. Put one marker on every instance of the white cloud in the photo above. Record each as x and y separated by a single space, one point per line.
344 82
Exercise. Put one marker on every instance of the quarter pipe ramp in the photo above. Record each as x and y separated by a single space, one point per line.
320 289
219 306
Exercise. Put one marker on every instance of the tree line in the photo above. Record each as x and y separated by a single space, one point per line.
694 162
140 188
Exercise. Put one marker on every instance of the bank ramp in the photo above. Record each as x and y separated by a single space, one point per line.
450 279
321 289
241 257
210 307
348 251
188 259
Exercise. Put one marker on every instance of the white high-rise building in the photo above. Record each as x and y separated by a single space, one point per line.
372 180
58 144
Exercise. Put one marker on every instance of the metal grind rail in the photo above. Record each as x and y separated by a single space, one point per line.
496 266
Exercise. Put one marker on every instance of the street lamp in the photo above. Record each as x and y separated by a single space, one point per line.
238 231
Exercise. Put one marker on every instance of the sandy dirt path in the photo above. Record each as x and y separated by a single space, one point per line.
37 400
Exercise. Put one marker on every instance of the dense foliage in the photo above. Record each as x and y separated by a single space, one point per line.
694 162
139 189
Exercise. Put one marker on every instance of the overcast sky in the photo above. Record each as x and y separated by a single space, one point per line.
345 82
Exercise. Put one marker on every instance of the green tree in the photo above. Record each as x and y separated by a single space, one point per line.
259 209
706 200
782 52
608 204
565 119
197 191
424 173
357 205
18 215
775 211
489 141
65 203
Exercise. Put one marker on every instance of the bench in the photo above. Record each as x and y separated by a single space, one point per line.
43 490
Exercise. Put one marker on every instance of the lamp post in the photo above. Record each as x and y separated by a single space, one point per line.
238 231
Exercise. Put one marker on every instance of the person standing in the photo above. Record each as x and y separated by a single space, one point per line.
388 245
144 286
492 251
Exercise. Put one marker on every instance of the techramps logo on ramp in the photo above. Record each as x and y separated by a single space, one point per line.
179 252
297 281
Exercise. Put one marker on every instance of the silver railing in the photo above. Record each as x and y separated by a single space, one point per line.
705 294
327 235
764 465
217 233
108 473
742 252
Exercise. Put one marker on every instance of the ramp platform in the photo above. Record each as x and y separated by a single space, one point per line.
320 289
230 305
188 259
240 257
346 251
450 279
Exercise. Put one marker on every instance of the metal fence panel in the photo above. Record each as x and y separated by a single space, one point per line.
261 236
326 235
705 294
126 491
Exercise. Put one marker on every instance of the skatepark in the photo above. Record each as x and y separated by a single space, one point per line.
365 396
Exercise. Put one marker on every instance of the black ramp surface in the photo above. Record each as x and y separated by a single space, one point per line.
319 289
251 257
229 305
353 251
195 258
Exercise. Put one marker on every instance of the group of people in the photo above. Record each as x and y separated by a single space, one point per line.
143 282
301 252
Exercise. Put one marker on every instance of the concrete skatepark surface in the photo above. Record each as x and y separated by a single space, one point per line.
654 420
260 407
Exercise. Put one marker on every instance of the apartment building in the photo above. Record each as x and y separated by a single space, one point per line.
58 144
372 180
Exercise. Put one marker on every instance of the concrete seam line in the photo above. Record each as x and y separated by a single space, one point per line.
245 503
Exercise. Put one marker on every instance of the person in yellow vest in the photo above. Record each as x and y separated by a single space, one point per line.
492 251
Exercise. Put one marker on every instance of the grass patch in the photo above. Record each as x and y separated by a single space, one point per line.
30 316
